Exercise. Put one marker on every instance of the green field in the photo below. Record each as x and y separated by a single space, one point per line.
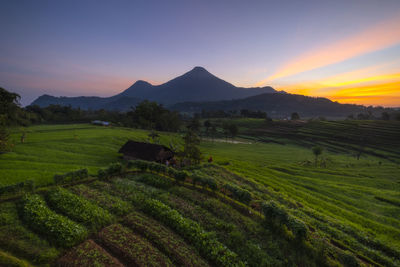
354 204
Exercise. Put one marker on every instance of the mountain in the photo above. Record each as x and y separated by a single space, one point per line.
277 105
195 85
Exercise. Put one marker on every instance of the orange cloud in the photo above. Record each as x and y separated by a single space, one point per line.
369 90
375 38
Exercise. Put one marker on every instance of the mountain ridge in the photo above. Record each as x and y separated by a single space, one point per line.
195 85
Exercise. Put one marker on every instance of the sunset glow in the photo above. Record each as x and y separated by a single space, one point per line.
348 51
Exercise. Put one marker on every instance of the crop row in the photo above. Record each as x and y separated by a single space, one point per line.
235 192
204 241
166 240
102 199
112 170
28 185
88 253
70 176
57 228
277 216
132 248
19 240
78 208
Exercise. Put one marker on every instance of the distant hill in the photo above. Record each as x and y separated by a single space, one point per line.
88 102
277 105
195 85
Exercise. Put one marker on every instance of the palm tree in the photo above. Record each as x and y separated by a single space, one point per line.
317 150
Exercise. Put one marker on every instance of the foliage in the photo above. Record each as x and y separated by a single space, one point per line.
205 242
298 228
150 115
70 176
8 260
274 213
317 151
237 193
87 253
102 199
27 186
205 182
165 240
136 250
154 180
191 151
112 170
295 116
59 229
78 208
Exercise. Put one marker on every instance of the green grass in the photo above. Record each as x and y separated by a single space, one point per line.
353 200
52 149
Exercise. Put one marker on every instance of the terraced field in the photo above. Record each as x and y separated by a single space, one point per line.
350 207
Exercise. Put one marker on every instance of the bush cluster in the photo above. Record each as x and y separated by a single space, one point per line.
28 185
277 216
70 176
154 180
205 242
239 194
112 170
78 208
143 165
57 228
205 182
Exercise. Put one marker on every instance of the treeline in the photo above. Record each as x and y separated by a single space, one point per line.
146 115
243 113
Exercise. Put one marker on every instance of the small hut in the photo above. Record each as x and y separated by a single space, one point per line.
146 151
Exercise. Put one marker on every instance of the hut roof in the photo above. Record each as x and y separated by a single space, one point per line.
146 151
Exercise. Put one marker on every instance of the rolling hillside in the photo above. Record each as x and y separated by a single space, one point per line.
349 206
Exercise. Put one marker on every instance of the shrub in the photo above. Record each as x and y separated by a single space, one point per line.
171 172
274 213
70 176
348 259
139 164
298 228
27 186
78 208
239 194
57 228
112 170
180 176
11 261
205 182
154 180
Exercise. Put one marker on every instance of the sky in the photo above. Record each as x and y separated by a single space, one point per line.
347 51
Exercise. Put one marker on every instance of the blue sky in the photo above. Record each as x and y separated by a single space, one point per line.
337 49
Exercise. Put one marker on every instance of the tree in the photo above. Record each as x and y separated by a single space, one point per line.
233 130
208 125
295 116
154 136
9 110
225 128
385 116
191 152
317 151
213 132
9 107
194 124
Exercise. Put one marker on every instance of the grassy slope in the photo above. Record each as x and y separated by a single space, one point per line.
344 191
51 149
